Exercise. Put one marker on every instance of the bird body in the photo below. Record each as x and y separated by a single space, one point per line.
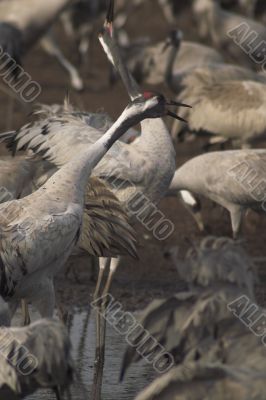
33 357
16 175
202 333
234 179
31 17
216 23
195 379
60 137
149 62
40 231
232 109
24 22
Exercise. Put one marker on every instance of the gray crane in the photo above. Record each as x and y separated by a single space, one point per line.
199 61
225 177
149 63
39 231
16 175
24 22
216 23
190 324
146 165
105 229
202 329
210 87
218 103
197 380
33 357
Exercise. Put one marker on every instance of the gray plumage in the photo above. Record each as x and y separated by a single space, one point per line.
16 175
233 179
24 22
196 324
216 23
11 42
39 232
196 380
149 63
33 357
215 105
105 227
31 17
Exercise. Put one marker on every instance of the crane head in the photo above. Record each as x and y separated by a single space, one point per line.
174 38
155 105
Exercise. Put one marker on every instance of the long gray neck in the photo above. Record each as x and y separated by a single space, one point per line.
155 137
69 183
154 133
170 66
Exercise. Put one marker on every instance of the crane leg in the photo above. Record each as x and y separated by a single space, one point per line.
113 267
49 45
101 322
25 312
57 393
104 264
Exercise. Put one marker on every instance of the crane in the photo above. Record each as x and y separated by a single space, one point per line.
40 230
33 357
24 22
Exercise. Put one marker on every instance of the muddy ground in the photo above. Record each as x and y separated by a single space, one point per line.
136 282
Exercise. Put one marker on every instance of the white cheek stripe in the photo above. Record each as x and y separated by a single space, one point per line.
188 198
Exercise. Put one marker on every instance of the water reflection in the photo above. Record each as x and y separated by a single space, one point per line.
82 333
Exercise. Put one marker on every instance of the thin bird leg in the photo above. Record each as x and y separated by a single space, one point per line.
104 263
98 365
25 312
101 321
102 349
167 10
113 267
49 45
57 393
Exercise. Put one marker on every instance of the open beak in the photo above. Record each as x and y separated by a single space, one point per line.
177 104
173 115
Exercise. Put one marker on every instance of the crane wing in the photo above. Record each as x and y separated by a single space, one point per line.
32 239
59 138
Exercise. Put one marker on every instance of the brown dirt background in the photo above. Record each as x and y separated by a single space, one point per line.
136 282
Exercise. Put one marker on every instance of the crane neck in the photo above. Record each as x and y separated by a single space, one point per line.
154 133
170 66
112 51
69 183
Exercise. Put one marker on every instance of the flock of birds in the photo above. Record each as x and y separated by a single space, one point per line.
72 175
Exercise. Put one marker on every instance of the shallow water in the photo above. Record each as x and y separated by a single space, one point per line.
82 333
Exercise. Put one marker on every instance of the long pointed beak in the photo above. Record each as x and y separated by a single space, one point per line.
177 104
110 12
173 115
108 23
